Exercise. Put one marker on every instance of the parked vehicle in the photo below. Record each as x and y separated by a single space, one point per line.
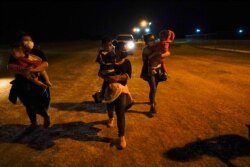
129 40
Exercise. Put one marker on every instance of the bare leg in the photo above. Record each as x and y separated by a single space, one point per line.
110 109
164 67
45 75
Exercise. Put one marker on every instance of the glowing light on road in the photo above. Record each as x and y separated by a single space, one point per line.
4 83
5 86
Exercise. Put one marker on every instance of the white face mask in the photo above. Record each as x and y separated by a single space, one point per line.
28 44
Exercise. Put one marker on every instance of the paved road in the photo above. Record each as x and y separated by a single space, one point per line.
203 112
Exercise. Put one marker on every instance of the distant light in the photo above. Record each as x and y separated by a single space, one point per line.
147 30
136 30
149 23
143 23
240 31
198 30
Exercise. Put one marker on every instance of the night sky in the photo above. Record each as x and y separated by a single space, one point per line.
72 20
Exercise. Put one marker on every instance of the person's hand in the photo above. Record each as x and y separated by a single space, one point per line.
32 70
100 75
25 72
156 53
111 79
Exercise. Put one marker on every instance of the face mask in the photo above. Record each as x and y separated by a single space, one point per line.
28 44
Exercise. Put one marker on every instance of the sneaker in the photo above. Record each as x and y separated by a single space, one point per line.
46 122
122 142
110 123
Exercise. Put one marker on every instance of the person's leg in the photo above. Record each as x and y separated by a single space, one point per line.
104 86
152 91
45 107
45 75
164 67
32 114
40 101
120 108
110 110
153 83
24 97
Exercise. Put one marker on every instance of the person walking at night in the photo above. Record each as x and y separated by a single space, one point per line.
149 74
35 99
119 98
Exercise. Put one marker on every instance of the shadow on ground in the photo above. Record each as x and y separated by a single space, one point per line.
42 139
146 113
88 106
224 147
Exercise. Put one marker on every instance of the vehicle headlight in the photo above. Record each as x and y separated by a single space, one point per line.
130 45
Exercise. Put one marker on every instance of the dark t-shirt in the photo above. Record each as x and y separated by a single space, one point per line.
35 52
106 60
124 68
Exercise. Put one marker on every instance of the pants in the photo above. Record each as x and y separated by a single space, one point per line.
35 100
105 84
153 83
120 106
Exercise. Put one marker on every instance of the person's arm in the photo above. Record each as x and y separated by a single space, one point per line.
44 64
15 67
118 78
97 60
18 69
126 71
40 67
171 36
156 53
164 55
